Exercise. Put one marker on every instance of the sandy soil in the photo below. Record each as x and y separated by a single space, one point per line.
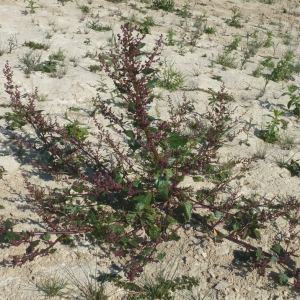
196 255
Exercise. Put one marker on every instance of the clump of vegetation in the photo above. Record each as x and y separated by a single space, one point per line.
167 5
145 25
271 133
36 46
235 19
95 25
170 79
130 174
293 92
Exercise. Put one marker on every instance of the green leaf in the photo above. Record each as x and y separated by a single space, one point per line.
51 251
148 71
160 256
257 234
274 259
141 45
176 141
131 107
152 129
118 175
283 278
143 201
46 236
259 254
147 251
130 134
278 249
139 56
171 161
120 89
79 188
7 224
218 214
116 228
186 209
9 236
174 237
32 245
152 83
168 173
198 179
163 187
154 232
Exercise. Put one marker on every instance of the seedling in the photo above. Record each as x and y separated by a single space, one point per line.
97 27
167 5
87 41
30 60
145 26
209 30
58 56
235 19
293 92
170 35
268 43
95 68
181 50
271 133
31 4
293 166
170 79
249 125
85 9
52 286
12 43
234 45
185 12
226 60
63 1
36 46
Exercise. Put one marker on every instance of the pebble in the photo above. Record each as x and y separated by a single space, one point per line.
222 285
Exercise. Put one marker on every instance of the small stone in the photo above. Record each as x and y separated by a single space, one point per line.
212 274
221 286
5 176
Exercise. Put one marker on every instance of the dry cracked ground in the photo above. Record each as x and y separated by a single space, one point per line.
238 42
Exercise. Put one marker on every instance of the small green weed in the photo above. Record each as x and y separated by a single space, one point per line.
84 8
31 4
36 46
294 99
185 12
293 166
170 35
271 133
210 30
59 55
234 44
167 5
30 60
95 68
146 24
52 286
170 79
226 60
95 25
235 19
268 42
63 1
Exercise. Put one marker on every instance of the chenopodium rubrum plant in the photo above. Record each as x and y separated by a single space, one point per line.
125 181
